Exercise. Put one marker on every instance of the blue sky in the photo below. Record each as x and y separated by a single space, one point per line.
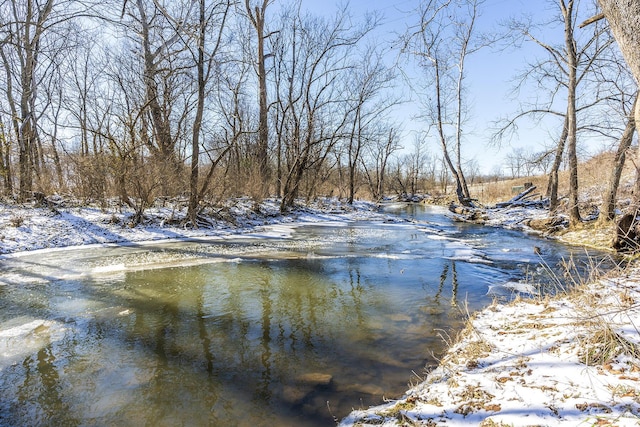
490 77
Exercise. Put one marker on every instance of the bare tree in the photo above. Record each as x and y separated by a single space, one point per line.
311 58
572 72
21 50
211 19
540 161
370 78
568 16
515 162
416 161
618 164
257 17
442 42
124 134
84 106
159 46
376 161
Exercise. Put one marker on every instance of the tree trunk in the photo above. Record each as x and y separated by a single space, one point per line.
459 92
164 147
353 153
194 199
24 161
257 18
552 187
25 123
443 142
618 165
572 126
624 20
291 185
5 161
263 126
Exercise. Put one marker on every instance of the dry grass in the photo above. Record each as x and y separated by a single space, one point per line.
490 423
474 398
405 405
593 176
596 235
17 221
601 342
490 193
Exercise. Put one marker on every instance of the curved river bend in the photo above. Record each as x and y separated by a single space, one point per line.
248 331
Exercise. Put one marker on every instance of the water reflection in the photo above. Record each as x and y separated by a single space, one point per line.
271 333
454 284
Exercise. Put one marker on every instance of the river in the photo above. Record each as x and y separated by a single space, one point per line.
250 330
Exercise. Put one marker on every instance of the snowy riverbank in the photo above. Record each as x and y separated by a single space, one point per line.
563 361
27 228
570 360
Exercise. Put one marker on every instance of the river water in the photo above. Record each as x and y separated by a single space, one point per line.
250 331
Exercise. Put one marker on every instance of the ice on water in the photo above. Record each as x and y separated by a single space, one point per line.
23 336
511 288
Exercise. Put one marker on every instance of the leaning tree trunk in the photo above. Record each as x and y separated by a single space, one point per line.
624 19
621 154
552 186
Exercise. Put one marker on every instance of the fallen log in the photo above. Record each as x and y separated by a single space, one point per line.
534 204
468 214
478 216
520 197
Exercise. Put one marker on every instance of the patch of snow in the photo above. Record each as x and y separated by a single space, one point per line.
29 228
108 269
510 288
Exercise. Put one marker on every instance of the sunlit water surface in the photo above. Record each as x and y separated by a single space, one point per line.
245 331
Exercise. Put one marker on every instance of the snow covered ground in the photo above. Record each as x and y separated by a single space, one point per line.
571 360
26 228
